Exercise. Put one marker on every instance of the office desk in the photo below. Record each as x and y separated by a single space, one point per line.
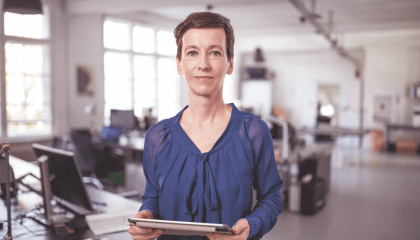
114 203
334 131
319 151
133 144
394 133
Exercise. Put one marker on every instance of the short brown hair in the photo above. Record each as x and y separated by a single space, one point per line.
205 20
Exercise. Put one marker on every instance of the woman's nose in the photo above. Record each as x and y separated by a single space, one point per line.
203 63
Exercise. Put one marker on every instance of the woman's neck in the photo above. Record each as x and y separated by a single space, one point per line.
203 111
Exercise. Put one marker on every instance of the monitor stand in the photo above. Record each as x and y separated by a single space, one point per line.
79 210
50 219
56 220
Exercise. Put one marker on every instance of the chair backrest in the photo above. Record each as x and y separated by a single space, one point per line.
58 143
83 151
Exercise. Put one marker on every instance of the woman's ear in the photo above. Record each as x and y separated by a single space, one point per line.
179 67
230 69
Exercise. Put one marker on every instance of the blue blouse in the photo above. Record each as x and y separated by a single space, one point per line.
183 184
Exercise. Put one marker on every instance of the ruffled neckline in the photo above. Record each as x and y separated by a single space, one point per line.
227 134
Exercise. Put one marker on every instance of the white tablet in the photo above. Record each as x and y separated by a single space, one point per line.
182 228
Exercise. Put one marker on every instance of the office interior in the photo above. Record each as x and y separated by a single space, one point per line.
342 76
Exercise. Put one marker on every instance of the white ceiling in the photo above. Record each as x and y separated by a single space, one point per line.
271 16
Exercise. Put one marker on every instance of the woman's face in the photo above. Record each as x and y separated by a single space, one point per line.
204 62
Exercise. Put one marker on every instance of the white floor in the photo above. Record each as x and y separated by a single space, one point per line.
372 196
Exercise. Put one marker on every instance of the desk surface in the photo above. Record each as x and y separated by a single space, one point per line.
33 230
132 143
334 131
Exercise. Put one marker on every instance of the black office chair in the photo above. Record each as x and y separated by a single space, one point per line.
100 162
83 151
58 143
63 143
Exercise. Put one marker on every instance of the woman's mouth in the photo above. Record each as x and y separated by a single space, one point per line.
203 77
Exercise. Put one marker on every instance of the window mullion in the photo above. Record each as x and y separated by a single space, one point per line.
3 112
130 39
132 79
24 40
156 74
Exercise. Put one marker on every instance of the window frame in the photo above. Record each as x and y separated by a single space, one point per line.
45 42
131 53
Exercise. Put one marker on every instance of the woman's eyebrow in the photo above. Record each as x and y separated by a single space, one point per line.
211 46
191 46
215 46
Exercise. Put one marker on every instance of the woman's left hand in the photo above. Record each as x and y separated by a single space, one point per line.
241 230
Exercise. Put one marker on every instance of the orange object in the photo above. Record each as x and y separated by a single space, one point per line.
406 146
277 155
280 113
377 140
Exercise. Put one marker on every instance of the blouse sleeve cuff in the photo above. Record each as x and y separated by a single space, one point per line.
255 225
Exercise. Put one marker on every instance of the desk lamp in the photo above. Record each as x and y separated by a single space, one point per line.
91 111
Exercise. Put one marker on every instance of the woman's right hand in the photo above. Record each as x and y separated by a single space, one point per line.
141 233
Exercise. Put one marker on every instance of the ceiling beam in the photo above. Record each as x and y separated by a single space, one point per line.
112 6
124 6
306 14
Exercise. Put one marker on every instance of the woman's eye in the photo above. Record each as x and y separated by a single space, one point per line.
191 53
215 53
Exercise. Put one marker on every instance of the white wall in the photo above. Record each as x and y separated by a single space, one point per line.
59 71
85 47
391 61
386 75
296 79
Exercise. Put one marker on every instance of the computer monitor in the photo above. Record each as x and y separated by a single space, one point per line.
150 121
65 179
124 119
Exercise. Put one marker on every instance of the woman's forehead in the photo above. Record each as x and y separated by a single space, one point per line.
204 37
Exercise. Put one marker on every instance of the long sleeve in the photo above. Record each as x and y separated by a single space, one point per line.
151 195
267 181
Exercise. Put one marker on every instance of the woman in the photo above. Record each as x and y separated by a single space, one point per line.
201 164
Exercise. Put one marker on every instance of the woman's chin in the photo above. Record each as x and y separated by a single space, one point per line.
204 92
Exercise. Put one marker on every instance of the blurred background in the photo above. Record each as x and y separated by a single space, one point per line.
342 76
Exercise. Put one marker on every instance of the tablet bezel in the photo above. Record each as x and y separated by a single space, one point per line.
219 228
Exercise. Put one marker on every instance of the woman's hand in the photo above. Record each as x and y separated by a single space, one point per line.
241 230
140 233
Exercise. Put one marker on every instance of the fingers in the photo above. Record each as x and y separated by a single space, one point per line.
221 236
213 236
241 226
140 233
144 214
143 235
241 231
139 230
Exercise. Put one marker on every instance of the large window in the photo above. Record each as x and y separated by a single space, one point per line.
140 69
26 107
